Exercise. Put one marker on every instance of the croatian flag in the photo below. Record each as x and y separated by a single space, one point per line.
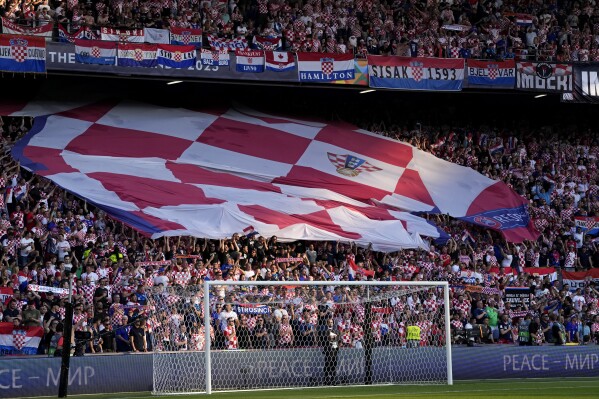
215 57
279 61
496 149
186 36
466 236
19 340
325 67
172 56
588 224
249 61
95 52
137 55
524 19
22 53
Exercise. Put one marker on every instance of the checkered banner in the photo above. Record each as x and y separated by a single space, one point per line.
22 53
416 73
170 172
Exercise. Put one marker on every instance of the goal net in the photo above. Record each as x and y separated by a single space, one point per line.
262 335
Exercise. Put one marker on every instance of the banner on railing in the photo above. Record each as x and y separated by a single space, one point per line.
360 75
186 36
173 56
15 29
61 57
581 279
137 55
95 52
123 35
229 44
543 76
415 73
22 54
157 36
325 67
19 340
586 84
84 33
491 73
250 60
215 57
279 61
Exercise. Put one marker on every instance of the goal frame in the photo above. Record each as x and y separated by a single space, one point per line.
209 283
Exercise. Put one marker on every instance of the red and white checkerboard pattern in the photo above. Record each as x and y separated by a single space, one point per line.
19 53
18 338
417 72
493 70
179 171
96 52
327 66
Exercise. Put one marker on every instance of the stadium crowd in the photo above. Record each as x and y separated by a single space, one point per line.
561 30
45 232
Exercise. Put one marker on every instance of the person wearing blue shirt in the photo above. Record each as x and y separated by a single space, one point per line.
465 53
572 328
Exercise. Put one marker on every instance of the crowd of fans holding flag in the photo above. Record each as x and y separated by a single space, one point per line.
45 231
554 30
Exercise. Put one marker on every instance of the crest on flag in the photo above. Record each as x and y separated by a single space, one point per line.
177 56
18 49
18 338
138 54
95 52
351 165
186 36
327 65
416 68
493 71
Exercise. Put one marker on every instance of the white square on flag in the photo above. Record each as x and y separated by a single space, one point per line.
129 115
208 156
59 131
295 127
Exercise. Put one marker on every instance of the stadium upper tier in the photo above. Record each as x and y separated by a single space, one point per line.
542 30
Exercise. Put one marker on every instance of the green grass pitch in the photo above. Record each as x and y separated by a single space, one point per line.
526 388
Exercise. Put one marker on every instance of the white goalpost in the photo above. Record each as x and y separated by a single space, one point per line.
242 335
